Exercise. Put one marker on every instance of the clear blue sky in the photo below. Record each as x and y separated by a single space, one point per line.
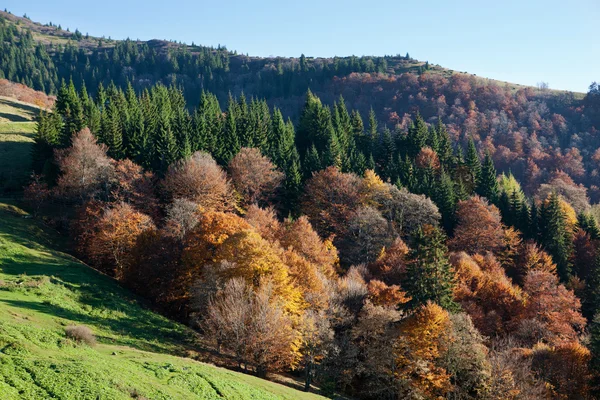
522 41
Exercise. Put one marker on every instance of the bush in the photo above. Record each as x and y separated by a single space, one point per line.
81 334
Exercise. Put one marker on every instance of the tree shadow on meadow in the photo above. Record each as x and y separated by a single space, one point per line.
99 300
29 109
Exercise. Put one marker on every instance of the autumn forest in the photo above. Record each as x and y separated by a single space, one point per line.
375 227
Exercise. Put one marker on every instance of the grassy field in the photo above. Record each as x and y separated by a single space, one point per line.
17 127
137 355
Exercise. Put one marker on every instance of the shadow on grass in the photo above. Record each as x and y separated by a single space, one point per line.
34 111
91 298
14 117
15 164
140 331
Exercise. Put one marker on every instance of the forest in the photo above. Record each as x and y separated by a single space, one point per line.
379 228
375 263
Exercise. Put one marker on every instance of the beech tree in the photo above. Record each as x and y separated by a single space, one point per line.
421 342
555 309
331 197
300 236
254 176
84 166
252 325
479 228
317 343
201 180
115 235
367 234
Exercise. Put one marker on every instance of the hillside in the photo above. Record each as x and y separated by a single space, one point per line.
17 127
49 53
43 290
529 132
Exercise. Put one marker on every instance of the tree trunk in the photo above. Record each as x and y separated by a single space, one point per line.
308 377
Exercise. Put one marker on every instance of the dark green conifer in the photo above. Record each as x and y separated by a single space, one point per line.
488 181
555 235
473 164
430 276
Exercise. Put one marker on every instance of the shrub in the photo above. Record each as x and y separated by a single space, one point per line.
81 334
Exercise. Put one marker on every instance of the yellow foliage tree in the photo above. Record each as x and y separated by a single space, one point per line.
421 342
256 260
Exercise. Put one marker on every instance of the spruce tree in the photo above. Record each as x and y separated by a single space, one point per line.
444 144
165 144
590 306
358 130
407 173
488 181
277 144
112 132
293 183
445 199
312 162
230 144
555 235
182 130
333 155
473 164
588 223
199 134
373 135
430 276
417 136
307 133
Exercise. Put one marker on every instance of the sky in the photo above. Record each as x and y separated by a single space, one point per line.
519 41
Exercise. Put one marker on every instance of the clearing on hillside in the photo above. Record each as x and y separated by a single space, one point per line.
43 291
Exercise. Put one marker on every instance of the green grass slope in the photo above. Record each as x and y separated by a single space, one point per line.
17 128
43 290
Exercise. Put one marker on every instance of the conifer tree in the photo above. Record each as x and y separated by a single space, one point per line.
307 133
358 130
359 163
312 162
293 183
278 143
230 144
524 224
473 164
588 223
344 126
68 105
488 182
429 274
244 125
112 132
373 134
433 139
417 136
165 144
444 143
333 154
445 199
371 162
591 300
555 235
407 174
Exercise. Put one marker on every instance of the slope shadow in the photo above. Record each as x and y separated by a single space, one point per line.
14 117
15 163
33 110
